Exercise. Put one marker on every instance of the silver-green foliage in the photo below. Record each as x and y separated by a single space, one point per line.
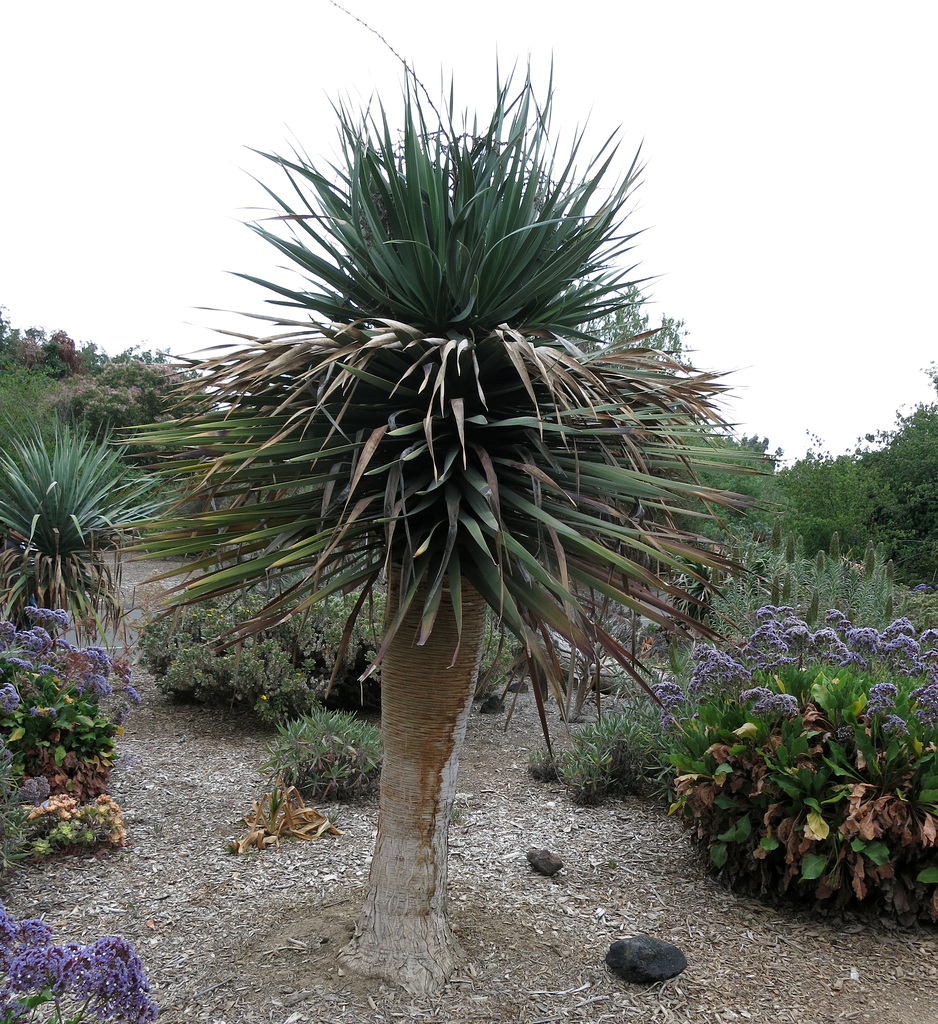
282 671
614 756
778 573
327 755
63 512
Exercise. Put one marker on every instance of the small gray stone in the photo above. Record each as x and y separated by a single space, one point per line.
544 862
645 959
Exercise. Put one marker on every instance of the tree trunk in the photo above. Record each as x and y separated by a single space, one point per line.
403 934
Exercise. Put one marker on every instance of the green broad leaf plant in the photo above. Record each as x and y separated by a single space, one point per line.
817 779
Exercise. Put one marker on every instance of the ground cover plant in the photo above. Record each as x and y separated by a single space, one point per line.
615 756
806 762
326 755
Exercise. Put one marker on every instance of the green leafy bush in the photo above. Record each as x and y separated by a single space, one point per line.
327 755
807 765
282 672
124 393
614 756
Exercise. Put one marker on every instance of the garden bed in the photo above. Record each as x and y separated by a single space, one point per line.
255 938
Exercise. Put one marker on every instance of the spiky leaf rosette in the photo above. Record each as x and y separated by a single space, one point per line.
64 516
432 411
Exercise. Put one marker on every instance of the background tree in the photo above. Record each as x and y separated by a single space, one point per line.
633 320
424 410
904 480
49 378
886 493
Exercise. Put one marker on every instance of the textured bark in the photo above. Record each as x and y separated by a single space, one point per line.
403 934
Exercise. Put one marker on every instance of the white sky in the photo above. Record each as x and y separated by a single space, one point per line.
789 194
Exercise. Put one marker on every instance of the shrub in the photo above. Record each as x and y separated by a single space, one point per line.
807 765
614 756
123 393
777 572
50 717
282 672
103 980
326 755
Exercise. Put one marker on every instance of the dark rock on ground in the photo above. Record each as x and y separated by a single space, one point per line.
491 705
645 959
544 862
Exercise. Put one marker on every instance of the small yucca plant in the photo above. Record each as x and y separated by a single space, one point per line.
63 517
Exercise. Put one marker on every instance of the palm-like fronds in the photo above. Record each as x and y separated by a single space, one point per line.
61 514
435 413
454 227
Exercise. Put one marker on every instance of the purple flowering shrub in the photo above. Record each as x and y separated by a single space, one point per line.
807 762
51 719
102 981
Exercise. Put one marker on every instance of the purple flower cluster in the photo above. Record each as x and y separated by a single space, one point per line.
55 618
715 672
9 698
895 724
33 790
87 670
902 654
864 641
837 621
767 648
766 703
105 978
781 639
925 703
898 627
673 704
882 698
828 646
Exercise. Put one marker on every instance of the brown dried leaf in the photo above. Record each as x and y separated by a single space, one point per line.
858 873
